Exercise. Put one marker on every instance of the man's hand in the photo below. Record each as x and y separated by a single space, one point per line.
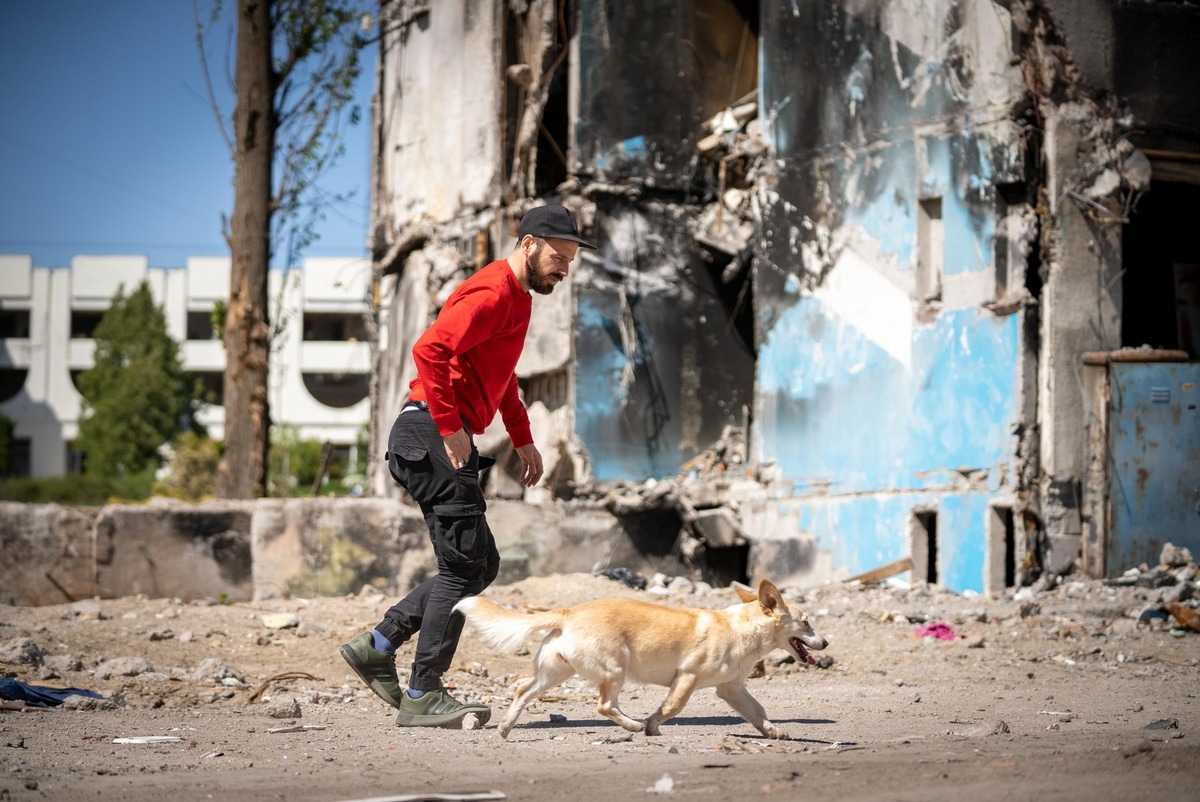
458 448
531 465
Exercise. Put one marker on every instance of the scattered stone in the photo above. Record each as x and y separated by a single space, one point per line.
21 650
77 702
283 707
212 670
122 667
825 661
281 620
308 629
187 636
1175 556
1001 728
88 610
162 634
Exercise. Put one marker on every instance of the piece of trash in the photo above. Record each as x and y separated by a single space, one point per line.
626 576
1061 658
842 746
148 739
1163 724
883 571
214 754
614 739
40 695
939 630
1187 617
665 785
297 728
436 796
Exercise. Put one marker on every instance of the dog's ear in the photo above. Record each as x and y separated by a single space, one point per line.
743 594
769 596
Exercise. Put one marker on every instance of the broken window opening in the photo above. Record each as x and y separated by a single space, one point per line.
1001 571
732 277
654 534
721 567
536 115
1160 282
929 250
923 545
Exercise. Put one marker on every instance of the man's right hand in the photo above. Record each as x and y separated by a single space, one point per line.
458 448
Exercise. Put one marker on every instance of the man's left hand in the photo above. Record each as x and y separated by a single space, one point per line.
531 465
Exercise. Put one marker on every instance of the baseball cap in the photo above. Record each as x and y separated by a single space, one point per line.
551 222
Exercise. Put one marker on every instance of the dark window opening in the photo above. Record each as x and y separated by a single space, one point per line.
212 386
11 381
20 457
924 546
1010 547
76 459
14 323
84 323
338 390
732 276
1160 280
553 130
200 326
334 326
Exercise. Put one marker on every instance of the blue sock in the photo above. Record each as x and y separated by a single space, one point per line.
382 644
415 694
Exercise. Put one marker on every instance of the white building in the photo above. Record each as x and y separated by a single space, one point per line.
320 359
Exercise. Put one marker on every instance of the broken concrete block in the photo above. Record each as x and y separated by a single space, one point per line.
21 650
281 620
718 528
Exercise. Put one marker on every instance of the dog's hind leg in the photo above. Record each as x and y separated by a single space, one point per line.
739 698
549 671
610 690
678 695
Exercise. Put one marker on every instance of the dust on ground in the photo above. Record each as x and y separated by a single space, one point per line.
1056 693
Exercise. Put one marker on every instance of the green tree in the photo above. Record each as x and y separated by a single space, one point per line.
136 396
296 64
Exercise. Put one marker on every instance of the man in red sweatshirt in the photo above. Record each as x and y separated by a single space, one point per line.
466 363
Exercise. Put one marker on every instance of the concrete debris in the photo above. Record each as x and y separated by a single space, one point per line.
22 651
281 620
122 667
283 707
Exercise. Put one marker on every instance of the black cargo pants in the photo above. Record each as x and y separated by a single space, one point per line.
467 559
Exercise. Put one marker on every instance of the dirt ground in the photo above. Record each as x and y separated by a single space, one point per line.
1053 694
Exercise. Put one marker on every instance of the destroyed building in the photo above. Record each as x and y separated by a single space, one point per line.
877 280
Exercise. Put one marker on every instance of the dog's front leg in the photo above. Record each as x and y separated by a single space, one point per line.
739 698
678 695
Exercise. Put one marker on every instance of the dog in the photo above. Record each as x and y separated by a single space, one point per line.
613 641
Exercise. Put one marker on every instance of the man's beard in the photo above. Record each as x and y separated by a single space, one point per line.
540 281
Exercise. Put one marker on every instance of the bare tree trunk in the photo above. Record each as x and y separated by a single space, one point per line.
247 333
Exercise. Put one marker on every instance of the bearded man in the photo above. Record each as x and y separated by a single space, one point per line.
466 363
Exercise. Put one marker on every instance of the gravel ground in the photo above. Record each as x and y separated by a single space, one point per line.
1058 693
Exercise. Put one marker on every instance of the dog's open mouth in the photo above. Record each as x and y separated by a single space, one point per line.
798 645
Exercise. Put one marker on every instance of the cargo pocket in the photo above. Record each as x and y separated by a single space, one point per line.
463 538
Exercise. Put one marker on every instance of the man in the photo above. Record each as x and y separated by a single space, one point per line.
466 365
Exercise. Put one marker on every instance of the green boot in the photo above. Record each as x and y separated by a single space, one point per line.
437 709
376 668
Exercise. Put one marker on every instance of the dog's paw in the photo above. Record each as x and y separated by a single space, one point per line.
771 731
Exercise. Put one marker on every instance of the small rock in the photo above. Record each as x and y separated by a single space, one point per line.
1001 728
122 667
471 722
281 620
1163 724
21 650
283 707
1175 556
162 634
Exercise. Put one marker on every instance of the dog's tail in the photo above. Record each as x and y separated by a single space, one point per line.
504 629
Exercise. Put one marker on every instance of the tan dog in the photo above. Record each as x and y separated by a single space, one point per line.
613 641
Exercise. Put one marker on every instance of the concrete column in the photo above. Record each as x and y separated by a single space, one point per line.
1081 311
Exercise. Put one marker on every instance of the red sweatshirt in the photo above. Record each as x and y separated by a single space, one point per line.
466 361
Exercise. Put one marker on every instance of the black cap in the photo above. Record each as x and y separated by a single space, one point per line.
555 222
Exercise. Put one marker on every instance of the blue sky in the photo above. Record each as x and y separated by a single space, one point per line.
108 144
